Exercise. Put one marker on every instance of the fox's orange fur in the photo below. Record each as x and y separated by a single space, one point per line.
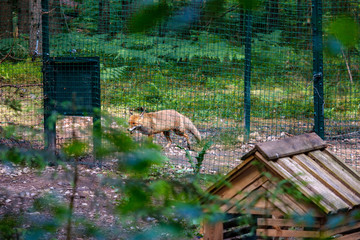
163 122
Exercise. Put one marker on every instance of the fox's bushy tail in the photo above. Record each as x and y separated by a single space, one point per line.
191 128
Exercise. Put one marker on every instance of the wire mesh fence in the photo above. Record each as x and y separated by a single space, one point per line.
232 69
341 84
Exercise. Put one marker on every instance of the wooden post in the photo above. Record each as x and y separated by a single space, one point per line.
213 231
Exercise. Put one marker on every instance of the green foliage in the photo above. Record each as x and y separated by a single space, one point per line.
148 16
113 74
10 226
203 48
13 104
167 69
51 204
198 69
127 48
75 149
115 139
229 136
17 48
215 83
87 19
272 56
174 203
213 8
24 72
346 30
249 4
199 158
18 154
41 226
153 94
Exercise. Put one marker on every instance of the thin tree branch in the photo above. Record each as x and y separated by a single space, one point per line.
76 177
347 66
21 85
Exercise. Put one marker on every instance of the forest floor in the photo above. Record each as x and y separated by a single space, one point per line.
95 201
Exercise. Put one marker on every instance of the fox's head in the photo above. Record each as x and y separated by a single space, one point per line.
135 121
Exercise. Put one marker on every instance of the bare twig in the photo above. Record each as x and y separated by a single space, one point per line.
21 85
76 177
48 12
347 66
17 59
343 136
72 200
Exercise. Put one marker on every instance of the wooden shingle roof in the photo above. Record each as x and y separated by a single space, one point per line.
305 158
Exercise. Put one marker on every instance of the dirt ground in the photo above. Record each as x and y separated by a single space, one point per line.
94 199
19 187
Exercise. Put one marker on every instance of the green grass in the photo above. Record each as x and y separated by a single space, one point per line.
25 72
220 96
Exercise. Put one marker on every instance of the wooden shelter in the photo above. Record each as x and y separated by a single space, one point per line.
293 188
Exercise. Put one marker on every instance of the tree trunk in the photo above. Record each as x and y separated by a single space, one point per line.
35 43
299 18
23 7
6 24
56 18
125 12
273 15
104 16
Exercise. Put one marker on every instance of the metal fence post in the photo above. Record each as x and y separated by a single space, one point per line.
247 73
49 125
318 68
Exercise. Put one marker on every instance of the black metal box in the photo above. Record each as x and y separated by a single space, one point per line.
72 85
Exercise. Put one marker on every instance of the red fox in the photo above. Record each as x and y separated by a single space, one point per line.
163 121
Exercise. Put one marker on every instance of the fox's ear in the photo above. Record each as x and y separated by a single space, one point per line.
142 114
131 113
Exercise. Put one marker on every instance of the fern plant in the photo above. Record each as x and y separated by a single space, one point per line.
113 74
18 48
150 50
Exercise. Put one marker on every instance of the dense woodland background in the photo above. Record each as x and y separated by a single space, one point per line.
190 56
183 55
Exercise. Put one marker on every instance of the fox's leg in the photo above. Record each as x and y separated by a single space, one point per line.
181 133
167 135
